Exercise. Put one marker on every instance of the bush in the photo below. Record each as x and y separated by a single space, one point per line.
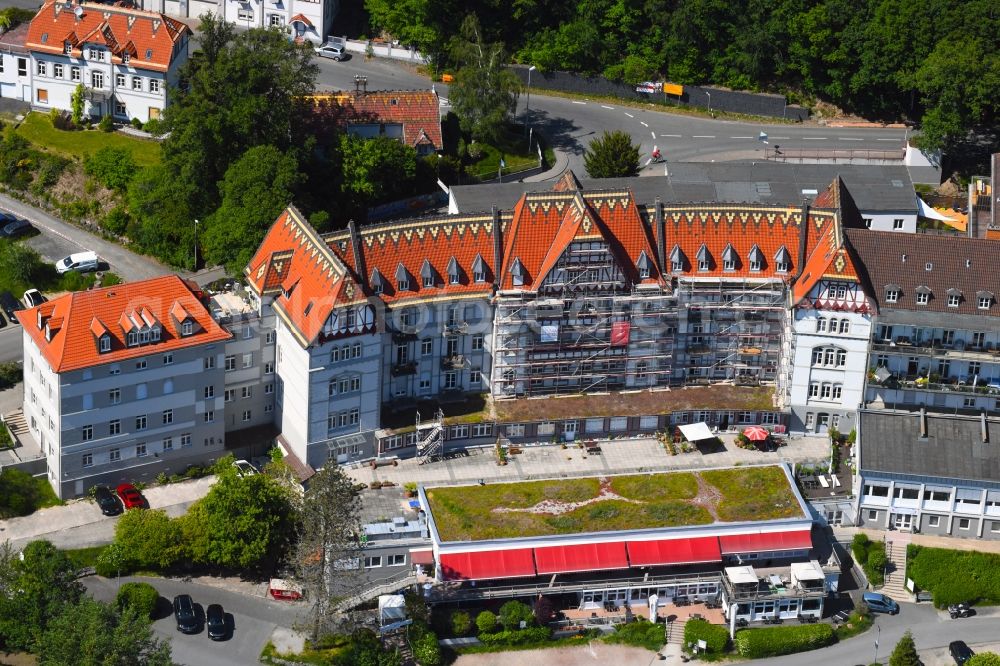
716 636
486 622
116 221
154 126
111 167
870 555
776 641
509 637
544 611
513 613
136 123
426 650
18 493
10 374
141 596
641 633
110 280
461 623
106 124
955 576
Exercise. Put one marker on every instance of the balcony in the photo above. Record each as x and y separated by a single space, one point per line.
399 337
946 385
401 369
959 350
453 362
456 328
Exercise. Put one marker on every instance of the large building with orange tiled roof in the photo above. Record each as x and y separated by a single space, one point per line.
126 382
572 291
126 59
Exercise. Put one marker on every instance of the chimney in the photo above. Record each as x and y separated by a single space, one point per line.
984 428
359 259
497 248
661 241
803 235
923 422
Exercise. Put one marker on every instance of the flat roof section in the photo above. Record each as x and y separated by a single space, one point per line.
578 506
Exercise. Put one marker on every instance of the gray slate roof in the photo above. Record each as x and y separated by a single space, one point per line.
874 188
954 448
902 260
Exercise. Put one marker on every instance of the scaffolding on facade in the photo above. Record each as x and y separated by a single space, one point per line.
430 438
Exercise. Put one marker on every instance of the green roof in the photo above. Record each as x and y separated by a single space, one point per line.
612 503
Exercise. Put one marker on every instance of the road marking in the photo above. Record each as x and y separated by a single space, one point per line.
575 102
814 138
628 114
851 138
741 137
653 134
703 136
643 124
673 136
893 140
605 106
780 137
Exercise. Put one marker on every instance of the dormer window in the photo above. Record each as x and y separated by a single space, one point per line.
954 298
704 259
454 277
125 58
676 259
377 281
984 299
105 343
187 328
892 292
479 269
68 48
782 260
428 281
132 338
402 278
517 273
729 258
403 284
923 295
377 287
643 265
154 334
427 274
756 259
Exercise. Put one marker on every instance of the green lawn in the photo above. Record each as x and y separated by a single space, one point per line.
84 557
513 147
38 129
475 513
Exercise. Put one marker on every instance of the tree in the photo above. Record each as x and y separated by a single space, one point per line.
18 493
141 596
612 155
484 94
38 586
163 221
512 613
545 612
76 103
486 622
22 264
374 171
242 523
328 545
91 633
905 652
111 167
984 659
151 539
256 188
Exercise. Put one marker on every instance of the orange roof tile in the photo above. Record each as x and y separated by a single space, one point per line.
75 322
418 111
149 37
828 256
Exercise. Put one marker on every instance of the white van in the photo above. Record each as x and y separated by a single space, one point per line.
81 261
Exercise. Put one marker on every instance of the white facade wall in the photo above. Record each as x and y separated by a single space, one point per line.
292 393
15 76
279 13
42 399
904 222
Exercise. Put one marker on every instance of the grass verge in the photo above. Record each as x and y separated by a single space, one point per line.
37 128
84 557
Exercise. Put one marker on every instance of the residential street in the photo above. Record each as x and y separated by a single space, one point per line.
255 616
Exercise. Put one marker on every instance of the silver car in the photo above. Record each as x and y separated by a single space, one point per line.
330 51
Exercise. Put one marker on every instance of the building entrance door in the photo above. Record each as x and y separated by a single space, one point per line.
902 522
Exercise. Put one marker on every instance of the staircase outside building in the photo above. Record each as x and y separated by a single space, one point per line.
895 553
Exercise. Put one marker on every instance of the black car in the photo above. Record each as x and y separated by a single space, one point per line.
110 506
10 305
960 652
215 622
12 228
185 614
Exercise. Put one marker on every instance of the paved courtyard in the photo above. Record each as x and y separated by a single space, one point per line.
619 456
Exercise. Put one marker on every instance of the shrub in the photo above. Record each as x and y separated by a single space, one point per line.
136 123
110 280
141 596
870 556
461 623
776 641
509 637
716 636
106 124
905 652
513 613
641 633
955 575
116 221
111 167
486 622
544 611
426 650
154 126
18 493
10 374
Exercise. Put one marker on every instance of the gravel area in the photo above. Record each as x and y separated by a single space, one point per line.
594 653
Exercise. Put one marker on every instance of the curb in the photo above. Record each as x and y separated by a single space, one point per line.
562 161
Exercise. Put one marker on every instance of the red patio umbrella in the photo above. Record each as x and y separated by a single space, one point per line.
756 434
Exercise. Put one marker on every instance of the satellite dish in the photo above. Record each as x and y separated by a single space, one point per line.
78 11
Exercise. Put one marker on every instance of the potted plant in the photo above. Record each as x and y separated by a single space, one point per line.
410 487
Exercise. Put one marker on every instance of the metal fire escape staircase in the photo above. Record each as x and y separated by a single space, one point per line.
430 438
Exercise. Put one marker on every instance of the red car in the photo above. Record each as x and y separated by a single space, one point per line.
131 498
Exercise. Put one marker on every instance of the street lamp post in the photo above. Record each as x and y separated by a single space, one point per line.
196 244
709 101
527 101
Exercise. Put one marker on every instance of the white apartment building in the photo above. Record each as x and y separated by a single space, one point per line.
308 20
125 59
15 65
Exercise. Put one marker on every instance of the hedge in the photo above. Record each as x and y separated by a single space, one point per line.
955 576
716 636
641 633
776 641
142 596
871 556
516 637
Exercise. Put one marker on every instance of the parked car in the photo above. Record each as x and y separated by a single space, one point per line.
80 261
879 603
334 51
185 614
244 468
10 305
960 652
33 298
130 497
110 505
215 622
13 227
3 322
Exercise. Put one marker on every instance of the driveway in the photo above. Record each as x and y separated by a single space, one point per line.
254 617
80 524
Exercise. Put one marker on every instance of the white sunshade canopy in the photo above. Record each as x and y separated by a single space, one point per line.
741 575
696 431
392 607
926 211
807 571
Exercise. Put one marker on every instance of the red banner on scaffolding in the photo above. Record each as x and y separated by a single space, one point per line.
620 332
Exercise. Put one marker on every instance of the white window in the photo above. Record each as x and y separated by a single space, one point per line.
269 337
396 560
923 297
838 390
872 514
210 416
824 392
186 329
984 302
230 363
897 224
475 376
933 521
115 396
821 325
186 440
891 295
373 562
269 368
168 416
115 455
114 427
964 523
120 110
703 264
275 20
814 389
845 326
246 415
245 15
120 80
97 80
136 83
450 380
154 85
57 71
88 459
426 347
209 392
87 433
209 362
968 402
953 300
140 450
41 68
168 359
140 365
477 343
140 423
728 265
268 389
228 394
248 360
247 332
247 392
105 343
74 74
168 443
268 408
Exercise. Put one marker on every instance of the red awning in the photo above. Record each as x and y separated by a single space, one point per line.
300 18
674 551
765 541
488 565
424 556
584 557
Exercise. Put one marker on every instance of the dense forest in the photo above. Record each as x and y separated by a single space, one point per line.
932 61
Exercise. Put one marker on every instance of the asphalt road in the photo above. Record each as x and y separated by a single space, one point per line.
253 620
571 124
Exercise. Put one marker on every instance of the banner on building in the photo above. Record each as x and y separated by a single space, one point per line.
620 332
550 333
